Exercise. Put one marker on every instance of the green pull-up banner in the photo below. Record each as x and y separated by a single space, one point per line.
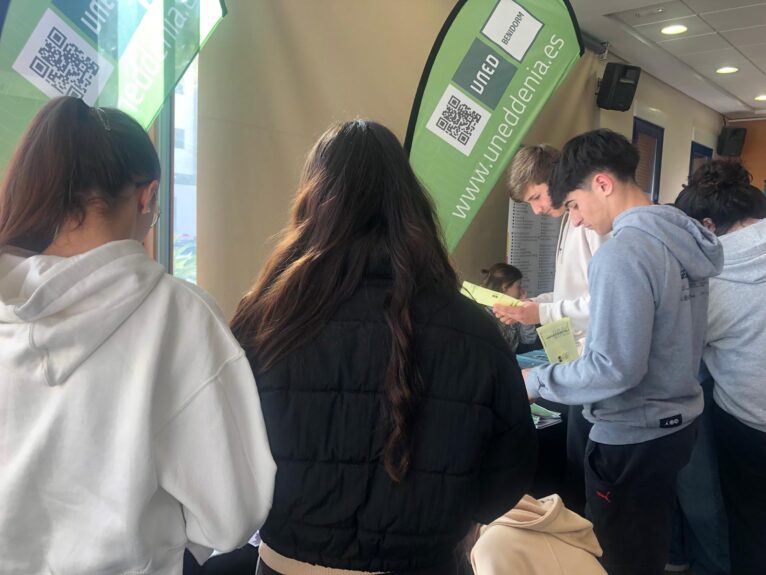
491 70
127 54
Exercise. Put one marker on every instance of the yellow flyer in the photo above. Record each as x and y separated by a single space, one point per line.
486 296
558 341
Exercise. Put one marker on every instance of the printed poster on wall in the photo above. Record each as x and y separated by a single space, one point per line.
490 72
532 242
127 54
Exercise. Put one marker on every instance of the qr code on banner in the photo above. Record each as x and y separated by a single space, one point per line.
60 62
458 120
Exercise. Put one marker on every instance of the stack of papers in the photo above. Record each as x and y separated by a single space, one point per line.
543 418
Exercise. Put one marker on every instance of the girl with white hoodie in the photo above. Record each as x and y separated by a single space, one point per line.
130 423
735 210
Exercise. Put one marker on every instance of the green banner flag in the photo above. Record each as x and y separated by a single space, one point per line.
127 54
491 70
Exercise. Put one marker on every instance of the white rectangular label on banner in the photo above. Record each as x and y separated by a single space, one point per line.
512 28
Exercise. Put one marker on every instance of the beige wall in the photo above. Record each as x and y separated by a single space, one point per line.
272 77
684 120
276 73
754 152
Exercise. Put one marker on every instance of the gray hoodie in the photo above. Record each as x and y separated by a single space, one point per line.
648 313
736 336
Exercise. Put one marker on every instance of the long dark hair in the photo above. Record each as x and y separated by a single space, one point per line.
358 204
720 191
71 155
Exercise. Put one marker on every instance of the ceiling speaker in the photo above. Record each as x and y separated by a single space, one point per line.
618 86
731 141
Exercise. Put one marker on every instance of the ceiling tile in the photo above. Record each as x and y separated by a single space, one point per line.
746 36
737 18
693 44
654 13
755 52
745 88
695 25
709 62
701 6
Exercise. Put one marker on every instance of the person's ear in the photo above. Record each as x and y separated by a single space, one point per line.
603 183
147 195
709 224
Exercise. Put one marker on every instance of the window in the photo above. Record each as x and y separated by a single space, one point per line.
184 205
173 242
700 154
180 138
647 137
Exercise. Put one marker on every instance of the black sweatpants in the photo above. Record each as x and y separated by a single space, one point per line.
742 464
630 497
578 429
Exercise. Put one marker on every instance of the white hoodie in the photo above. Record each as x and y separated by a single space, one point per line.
130 424
570 296
736 336
538 537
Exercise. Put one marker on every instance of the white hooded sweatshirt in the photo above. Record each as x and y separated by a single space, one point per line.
570 296
538 537
130 424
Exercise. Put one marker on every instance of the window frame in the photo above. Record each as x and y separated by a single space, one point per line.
698 151
641 126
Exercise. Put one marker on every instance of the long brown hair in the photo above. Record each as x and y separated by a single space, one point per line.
70 156
358 204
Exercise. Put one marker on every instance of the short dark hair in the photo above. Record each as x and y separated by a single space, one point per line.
721 191
583 155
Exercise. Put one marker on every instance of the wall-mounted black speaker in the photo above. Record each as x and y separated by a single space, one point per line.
731 141
618 86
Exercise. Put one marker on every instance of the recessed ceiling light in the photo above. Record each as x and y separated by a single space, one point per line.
727 70
761 98
674 29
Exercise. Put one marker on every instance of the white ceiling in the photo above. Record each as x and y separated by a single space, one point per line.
720 33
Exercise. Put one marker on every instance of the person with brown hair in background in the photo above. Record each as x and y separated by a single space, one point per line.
506 279
131 425
395 410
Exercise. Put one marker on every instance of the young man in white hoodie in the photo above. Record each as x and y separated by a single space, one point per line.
528 183
131 424
637 377
735 211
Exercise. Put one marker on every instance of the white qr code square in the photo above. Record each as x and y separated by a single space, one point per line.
60 62
458 120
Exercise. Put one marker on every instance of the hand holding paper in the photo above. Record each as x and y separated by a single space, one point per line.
488 297
527 313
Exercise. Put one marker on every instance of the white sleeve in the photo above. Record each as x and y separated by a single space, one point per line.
575 309
214 458
546 297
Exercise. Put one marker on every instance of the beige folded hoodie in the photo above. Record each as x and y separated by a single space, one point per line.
538 537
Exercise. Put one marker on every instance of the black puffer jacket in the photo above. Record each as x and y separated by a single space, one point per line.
475 445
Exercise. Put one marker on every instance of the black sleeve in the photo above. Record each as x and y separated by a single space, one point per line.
510 458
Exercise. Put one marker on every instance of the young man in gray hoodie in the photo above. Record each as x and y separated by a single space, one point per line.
637 377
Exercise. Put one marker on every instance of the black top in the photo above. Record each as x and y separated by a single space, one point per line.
475 444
